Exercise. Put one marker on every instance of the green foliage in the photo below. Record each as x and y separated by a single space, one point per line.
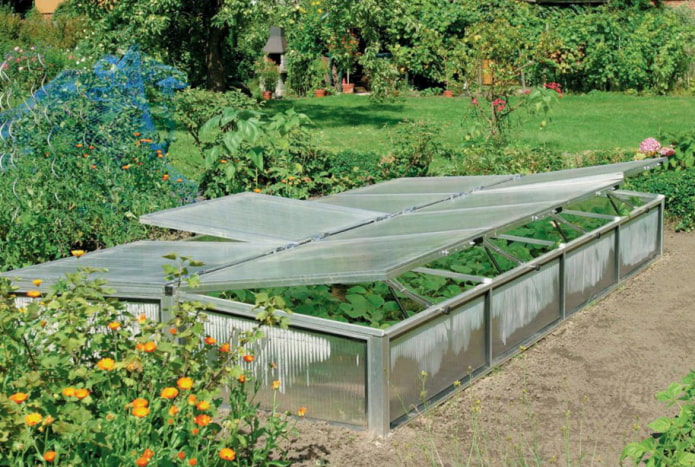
678 187
490 159
415 144
98 386
267 72
674 437
25 71
684 146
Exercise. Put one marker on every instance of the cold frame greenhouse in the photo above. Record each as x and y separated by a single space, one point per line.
403 290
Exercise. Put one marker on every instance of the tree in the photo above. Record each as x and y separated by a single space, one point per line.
201 37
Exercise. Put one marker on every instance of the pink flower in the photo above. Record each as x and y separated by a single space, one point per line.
649 146
474 101
554 86
527 91
499 105
667 151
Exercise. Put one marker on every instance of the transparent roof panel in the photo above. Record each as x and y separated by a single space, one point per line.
328 262
413 185
140 262
256 217
387 203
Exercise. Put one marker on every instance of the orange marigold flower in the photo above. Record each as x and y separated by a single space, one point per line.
91 147
169 393
77 253
141 319
150 346
276 384
227 454
48 420
184 383
202 420
106 364
69 392
37 282
19 397
170 421
165 177
224 348
256 190
33 294
49 456
192 461
33 418
203 405
43 323
114 325
136 134
173 331
302 411
195 431
210 340
126 167
81 393
179 180
192 399
248 358
149 453
142 461
173 410
139 402
140 411
242 378
223 161
181 455
78 145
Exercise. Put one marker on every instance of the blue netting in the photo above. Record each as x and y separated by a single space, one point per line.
115 88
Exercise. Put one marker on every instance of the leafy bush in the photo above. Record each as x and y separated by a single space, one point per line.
679 189
25 71
83 382
674 437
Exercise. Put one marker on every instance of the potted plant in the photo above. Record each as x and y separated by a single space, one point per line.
268 76
319 71
344 50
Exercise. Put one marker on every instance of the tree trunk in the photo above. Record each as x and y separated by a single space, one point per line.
214 61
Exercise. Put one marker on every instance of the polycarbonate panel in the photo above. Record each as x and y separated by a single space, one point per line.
639 241
324 373
139 262
589 271
414 185
385 203
524 307
436 354
551 193
334 262
254 217
624 168
469 222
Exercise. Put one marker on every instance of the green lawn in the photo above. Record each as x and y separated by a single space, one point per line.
578 123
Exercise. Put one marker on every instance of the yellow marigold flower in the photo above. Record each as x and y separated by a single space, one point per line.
227 454
173 410
69 392
302 411
202 419
150 346
19 397
106 364
33 418
203 405
276 384
139 402
49 456
33 294
114 325
77 253
210 340
184 383
169 393
140 411
37 282
224 348
81 393
256 190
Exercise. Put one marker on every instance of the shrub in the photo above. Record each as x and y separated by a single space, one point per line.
679 189
83 382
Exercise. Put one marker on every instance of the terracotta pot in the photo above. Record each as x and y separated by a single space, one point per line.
267 95
348 88
319 92
447 93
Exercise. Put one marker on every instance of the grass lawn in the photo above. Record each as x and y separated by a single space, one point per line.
578 122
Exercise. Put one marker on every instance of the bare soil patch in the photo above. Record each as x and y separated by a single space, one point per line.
577 396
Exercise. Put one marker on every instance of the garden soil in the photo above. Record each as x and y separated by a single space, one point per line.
574 398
